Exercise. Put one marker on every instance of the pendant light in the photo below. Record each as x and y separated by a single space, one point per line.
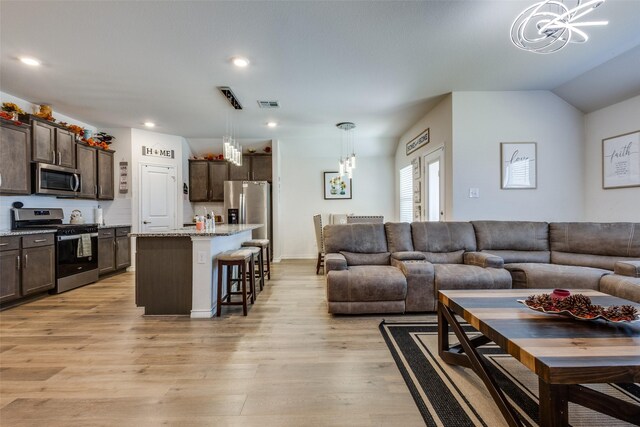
347 145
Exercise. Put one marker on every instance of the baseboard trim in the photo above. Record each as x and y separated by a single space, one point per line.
202 314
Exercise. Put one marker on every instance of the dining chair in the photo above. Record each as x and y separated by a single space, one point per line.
317 223
359 219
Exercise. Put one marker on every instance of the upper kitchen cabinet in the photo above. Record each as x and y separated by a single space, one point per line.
241 173
15 156
105 175
206 180
52 144
87 167
261 167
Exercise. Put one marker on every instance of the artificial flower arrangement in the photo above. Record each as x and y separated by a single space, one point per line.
10 107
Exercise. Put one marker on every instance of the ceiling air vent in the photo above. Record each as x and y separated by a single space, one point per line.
268 104
230 96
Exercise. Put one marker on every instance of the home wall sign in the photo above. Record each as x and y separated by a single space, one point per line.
417 142
157 152
621 161
518 162
124 177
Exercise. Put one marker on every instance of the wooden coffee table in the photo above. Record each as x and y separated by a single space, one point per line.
562 352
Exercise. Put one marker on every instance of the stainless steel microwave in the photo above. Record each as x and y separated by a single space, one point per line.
55 180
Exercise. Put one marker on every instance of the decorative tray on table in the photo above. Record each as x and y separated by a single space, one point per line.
579 307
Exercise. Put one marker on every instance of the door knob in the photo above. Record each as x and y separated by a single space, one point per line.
146 222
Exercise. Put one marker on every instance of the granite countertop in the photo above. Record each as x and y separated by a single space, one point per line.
5 233
101 226
221 230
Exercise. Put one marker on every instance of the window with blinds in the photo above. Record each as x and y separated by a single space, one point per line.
406 194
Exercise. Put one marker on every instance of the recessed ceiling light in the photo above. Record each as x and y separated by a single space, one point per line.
149 124
272 124
239 61
30 61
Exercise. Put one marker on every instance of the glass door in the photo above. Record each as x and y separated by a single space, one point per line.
434 185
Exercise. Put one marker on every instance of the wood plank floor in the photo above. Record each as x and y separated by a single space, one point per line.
88 357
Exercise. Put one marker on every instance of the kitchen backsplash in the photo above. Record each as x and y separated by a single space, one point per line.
199 208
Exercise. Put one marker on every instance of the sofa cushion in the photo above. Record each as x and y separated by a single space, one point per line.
550 276
587 260
512 235
399 236
520 256
361 238
367 283
460 276
443 242
627 268
621 287
354 258
611 239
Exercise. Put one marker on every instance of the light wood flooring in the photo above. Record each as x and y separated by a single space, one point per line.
88 357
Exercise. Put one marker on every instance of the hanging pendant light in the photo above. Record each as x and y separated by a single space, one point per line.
348 162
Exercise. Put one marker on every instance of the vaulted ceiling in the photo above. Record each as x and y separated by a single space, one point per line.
379 64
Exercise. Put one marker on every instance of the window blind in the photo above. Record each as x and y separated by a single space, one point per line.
406 194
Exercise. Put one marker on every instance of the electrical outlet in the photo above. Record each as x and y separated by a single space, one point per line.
202 257
474 192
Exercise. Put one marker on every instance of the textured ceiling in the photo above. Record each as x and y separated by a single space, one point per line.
379 64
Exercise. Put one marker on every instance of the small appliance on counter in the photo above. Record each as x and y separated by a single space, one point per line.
76 244
76 217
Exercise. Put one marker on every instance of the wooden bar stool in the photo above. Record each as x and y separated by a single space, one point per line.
259 263
265 245
243 259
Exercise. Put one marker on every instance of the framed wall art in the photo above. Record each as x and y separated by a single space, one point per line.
518 161
419 141
336 187
417 212
415 163
621 161
417 193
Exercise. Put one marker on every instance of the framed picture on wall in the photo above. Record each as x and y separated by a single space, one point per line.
415 163
417 212
518 161
336 187
621 161
417 193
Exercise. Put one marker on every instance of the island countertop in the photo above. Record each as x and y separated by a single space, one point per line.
221 230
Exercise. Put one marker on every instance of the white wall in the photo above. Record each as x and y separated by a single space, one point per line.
439 122
481 121
301 193
620 204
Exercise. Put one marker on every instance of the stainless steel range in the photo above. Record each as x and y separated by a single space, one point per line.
76 245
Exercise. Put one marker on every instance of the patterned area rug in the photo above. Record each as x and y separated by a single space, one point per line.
454 396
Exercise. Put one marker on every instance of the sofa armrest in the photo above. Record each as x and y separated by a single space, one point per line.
627 268
408 267
482 259
334 261
409 256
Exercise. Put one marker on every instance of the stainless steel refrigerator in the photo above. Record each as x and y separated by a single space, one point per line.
252 199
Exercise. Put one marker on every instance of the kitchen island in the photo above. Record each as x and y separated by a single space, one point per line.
176 269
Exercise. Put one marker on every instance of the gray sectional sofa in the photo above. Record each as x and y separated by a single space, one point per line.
399 267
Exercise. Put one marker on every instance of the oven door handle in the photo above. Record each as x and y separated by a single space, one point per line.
75 237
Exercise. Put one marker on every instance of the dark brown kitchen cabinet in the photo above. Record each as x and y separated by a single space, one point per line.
206 180
105 175
15 158
87 167
52 144
38 269
261 168
10 282
114 249
241 173
28 266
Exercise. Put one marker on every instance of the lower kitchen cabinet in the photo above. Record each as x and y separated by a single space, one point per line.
114 249
28 266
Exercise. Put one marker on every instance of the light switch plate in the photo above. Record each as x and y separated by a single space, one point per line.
202 257
474 192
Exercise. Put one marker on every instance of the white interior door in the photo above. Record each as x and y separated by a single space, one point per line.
158 198
434 189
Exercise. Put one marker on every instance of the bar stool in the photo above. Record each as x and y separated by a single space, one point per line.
258 262
242 259
265 245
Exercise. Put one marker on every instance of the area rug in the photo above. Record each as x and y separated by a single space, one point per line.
454 396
